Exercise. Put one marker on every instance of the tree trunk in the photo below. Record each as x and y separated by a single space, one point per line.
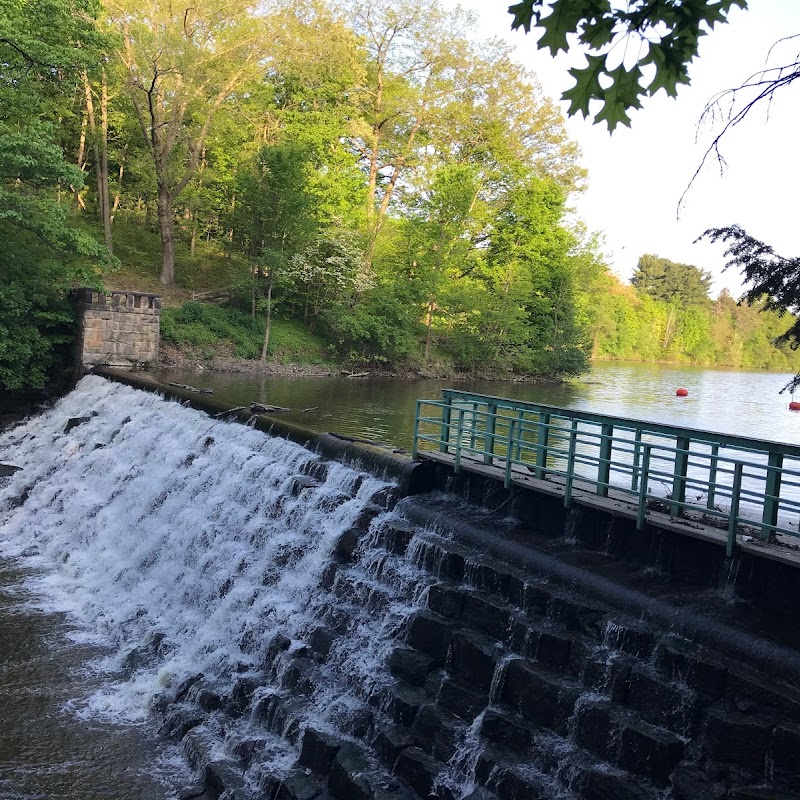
166 227
269 318
81 160
105 205
428 331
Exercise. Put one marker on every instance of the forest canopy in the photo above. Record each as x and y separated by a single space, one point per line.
368 171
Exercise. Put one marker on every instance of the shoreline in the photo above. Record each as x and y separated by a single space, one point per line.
172 358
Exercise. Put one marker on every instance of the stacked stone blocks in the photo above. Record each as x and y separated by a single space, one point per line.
119 328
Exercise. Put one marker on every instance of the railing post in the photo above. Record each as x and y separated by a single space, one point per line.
604 464
712 477
488 444
642 509
771 494
509 449
416 430
734 512
459 432
444 434
473 420
573 436
542 439
679 475
520 430
637 447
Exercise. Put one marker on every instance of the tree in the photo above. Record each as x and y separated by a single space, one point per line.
774 280
662 279
183 60
44 46
666 37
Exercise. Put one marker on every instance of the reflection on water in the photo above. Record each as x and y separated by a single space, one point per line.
725 401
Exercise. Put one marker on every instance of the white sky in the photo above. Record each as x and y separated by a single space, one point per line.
637 175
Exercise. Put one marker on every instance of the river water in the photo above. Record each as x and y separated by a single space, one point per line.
747 403
113 539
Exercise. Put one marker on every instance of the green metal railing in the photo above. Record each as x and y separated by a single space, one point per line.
742 485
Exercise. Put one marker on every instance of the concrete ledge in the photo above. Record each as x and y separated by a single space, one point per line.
412 477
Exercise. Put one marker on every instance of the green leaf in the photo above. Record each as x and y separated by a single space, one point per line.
623 94
562 20
587 85
523 14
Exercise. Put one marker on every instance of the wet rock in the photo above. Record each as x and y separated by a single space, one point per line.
430 634
680 662
540 698
400 702
437 732
191 792
367 514
474 658
396 538
446 600
179 721
635 641
320 640
692 783
271 712
318 750
346 544
297 785
6 470
389 742
600 784
594 729
222 776
386 498
297 676
210 700
317 470
348 775
738 739
763 793
418 770
503 731
485 616
241 694
73 422
300 483
552 650
459 700
649 751
785 755
537 598
185 686
410 666
668 705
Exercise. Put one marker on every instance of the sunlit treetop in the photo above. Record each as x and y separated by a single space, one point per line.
619 38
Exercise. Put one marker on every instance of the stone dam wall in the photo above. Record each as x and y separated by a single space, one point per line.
118 329
508 675
547 655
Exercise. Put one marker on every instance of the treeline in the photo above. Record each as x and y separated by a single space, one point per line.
366 167
667 315
368 171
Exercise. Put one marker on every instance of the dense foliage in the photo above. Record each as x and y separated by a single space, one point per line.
42 256
367 175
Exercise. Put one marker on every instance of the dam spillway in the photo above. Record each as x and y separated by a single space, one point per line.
303 636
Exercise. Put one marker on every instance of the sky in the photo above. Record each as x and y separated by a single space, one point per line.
638 174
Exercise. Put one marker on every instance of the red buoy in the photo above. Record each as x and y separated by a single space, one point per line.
682 392
794 406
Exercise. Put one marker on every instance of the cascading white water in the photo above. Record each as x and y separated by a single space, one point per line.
151 518
180 544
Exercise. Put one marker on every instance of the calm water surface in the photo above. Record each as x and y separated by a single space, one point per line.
724 401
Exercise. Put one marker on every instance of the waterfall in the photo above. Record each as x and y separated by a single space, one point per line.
178 542
305 639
